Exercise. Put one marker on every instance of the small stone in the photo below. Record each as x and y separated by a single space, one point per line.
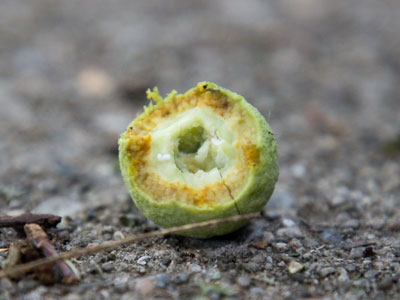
251 267
107 267
310 243
162 280
7 285
166 261
281 264
356 253
385 283
343 277
331 236
352 223
281 247
257 291
91 214
121 284
244 281
216 275
73 296
181 278
195 268
27 285
259 259
324 272
144 287
298 277
371 274
271 215
295 267
288 222
261 245
143 260
351 268
290 232
269 237
337 201
118 235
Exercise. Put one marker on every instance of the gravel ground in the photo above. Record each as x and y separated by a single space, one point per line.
326 74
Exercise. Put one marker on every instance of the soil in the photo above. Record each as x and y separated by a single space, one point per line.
326 74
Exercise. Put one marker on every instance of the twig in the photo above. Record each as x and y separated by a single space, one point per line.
360 244
3 250
129 240
19 222
38 239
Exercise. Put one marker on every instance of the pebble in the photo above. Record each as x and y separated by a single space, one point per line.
281 247
298 277
331 236
295 267
181 278
352 223
73 296
290 232
356 253
118 235
216 275
268 236
251 267
385 283
257 291
271 215
343 276
144 287
195 268
371 274
162 280
121 283
259 259
166 261
7 285
338 200
244 280
27 285
327 271
143 260
107 267
288 222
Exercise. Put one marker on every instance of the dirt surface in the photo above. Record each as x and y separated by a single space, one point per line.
326 74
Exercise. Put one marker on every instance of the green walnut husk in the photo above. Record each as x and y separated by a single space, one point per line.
202 155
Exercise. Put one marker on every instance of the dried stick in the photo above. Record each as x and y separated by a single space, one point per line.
19 222
38 238
127 241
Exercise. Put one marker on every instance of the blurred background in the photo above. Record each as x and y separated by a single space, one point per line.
324 73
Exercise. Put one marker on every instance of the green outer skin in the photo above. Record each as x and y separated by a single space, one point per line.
252 198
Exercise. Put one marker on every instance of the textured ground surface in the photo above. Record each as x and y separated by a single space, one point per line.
325 73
